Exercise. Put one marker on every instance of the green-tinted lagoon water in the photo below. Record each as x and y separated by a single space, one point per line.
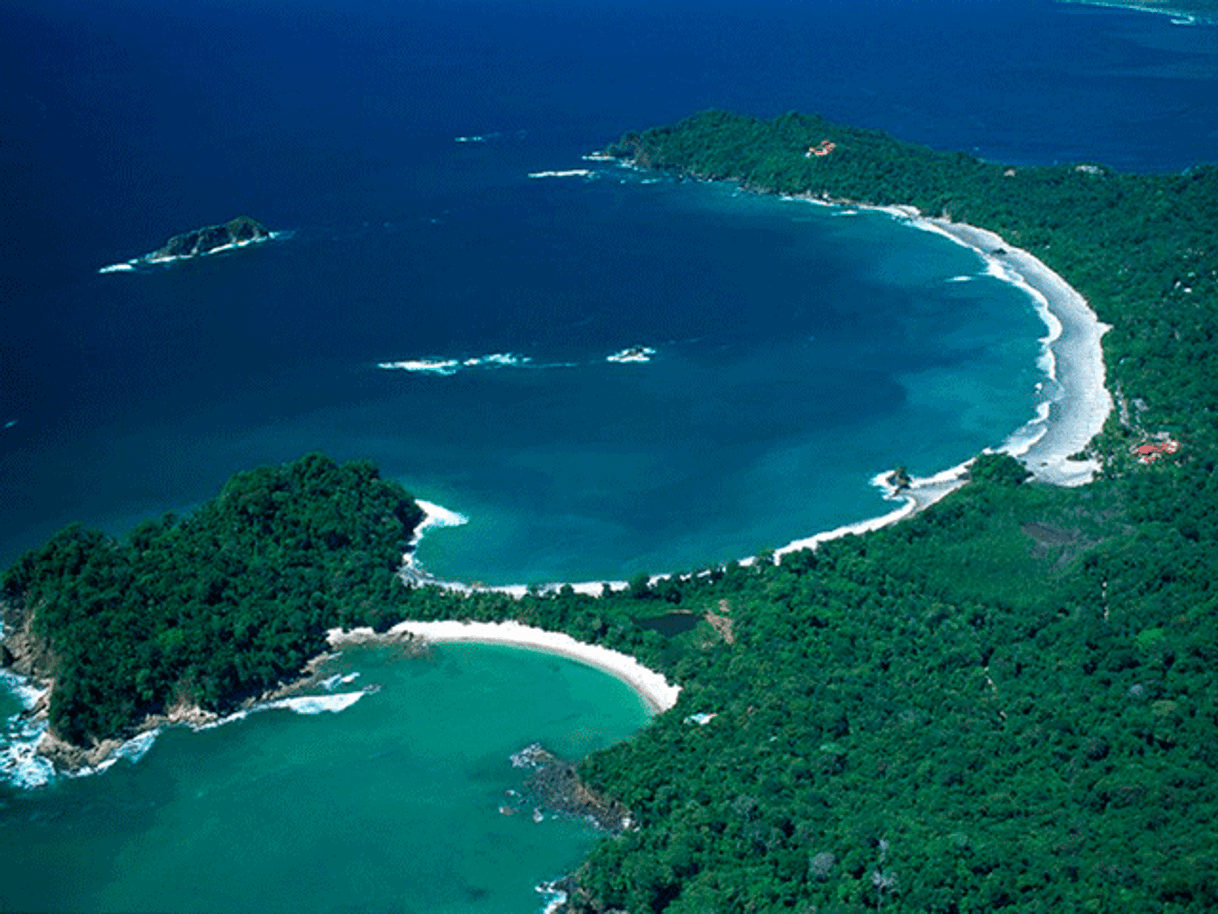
392 804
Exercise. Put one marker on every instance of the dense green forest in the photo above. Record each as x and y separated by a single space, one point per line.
212 608
1006 702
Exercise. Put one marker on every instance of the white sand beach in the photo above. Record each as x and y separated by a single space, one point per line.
1073 359
1075 355
650 685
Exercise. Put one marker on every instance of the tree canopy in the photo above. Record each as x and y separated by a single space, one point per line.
217 606
1006 702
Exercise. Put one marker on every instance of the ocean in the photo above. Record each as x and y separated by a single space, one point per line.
429 305
391 144
406 799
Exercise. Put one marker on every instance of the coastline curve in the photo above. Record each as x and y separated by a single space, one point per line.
1072 360
649 685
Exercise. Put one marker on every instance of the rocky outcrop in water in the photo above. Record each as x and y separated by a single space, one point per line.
556 785
238 231
20 649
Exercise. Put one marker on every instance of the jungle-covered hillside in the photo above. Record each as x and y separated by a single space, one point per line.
1006 702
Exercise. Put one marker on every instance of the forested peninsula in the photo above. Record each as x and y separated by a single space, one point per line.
197 614
1005 702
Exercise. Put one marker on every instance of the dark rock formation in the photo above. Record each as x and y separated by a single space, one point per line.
556 786
20 650
241 230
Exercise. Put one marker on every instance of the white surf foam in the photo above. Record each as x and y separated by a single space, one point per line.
569 173
437 516
317 704
20 763
330 683
132 751
25 690
498 360
449 367
444 367
133 265
555 898
632 354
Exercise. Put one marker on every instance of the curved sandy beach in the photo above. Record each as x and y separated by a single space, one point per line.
1074 355
651 686
1072 358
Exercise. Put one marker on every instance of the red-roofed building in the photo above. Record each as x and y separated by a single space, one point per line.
1150 452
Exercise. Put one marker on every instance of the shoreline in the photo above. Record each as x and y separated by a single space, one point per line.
649 685
1073 357
1075 410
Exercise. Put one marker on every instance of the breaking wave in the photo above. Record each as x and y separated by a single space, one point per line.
632 354
568 173
22 766
448 367
316 704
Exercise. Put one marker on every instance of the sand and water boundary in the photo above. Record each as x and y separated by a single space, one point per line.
651 686
1076 406
1075 410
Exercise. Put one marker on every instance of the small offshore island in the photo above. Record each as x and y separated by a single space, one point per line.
238 232
1006 701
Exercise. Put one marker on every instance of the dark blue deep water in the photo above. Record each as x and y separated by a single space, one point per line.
798 353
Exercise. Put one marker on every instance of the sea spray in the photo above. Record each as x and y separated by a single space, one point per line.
20 763
23 765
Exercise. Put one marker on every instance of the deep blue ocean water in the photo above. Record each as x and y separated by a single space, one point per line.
798 350
792 354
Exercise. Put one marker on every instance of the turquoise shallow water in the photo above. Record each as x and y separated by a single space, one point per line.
798 353
390 805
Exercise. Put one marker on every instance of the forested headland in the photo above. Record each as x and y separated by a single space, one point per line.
209 609
1006 702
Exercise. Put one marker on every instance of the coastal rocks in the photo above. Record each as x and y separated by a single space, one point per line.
20 649
412 645
211 238
68 757
556 785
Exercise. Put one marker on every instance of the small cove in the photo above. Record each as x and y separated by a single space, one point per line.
391 804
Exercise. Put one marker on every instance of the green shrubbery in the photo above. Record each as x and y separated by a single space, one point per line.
1005 703
216 606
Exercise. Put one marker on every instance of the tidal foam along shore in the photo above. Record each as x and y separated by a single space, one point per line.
1072 357
651 686
1073 360
1075 408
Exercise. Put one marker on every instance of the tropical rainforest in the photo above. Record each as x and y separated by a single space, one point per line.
1006 702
